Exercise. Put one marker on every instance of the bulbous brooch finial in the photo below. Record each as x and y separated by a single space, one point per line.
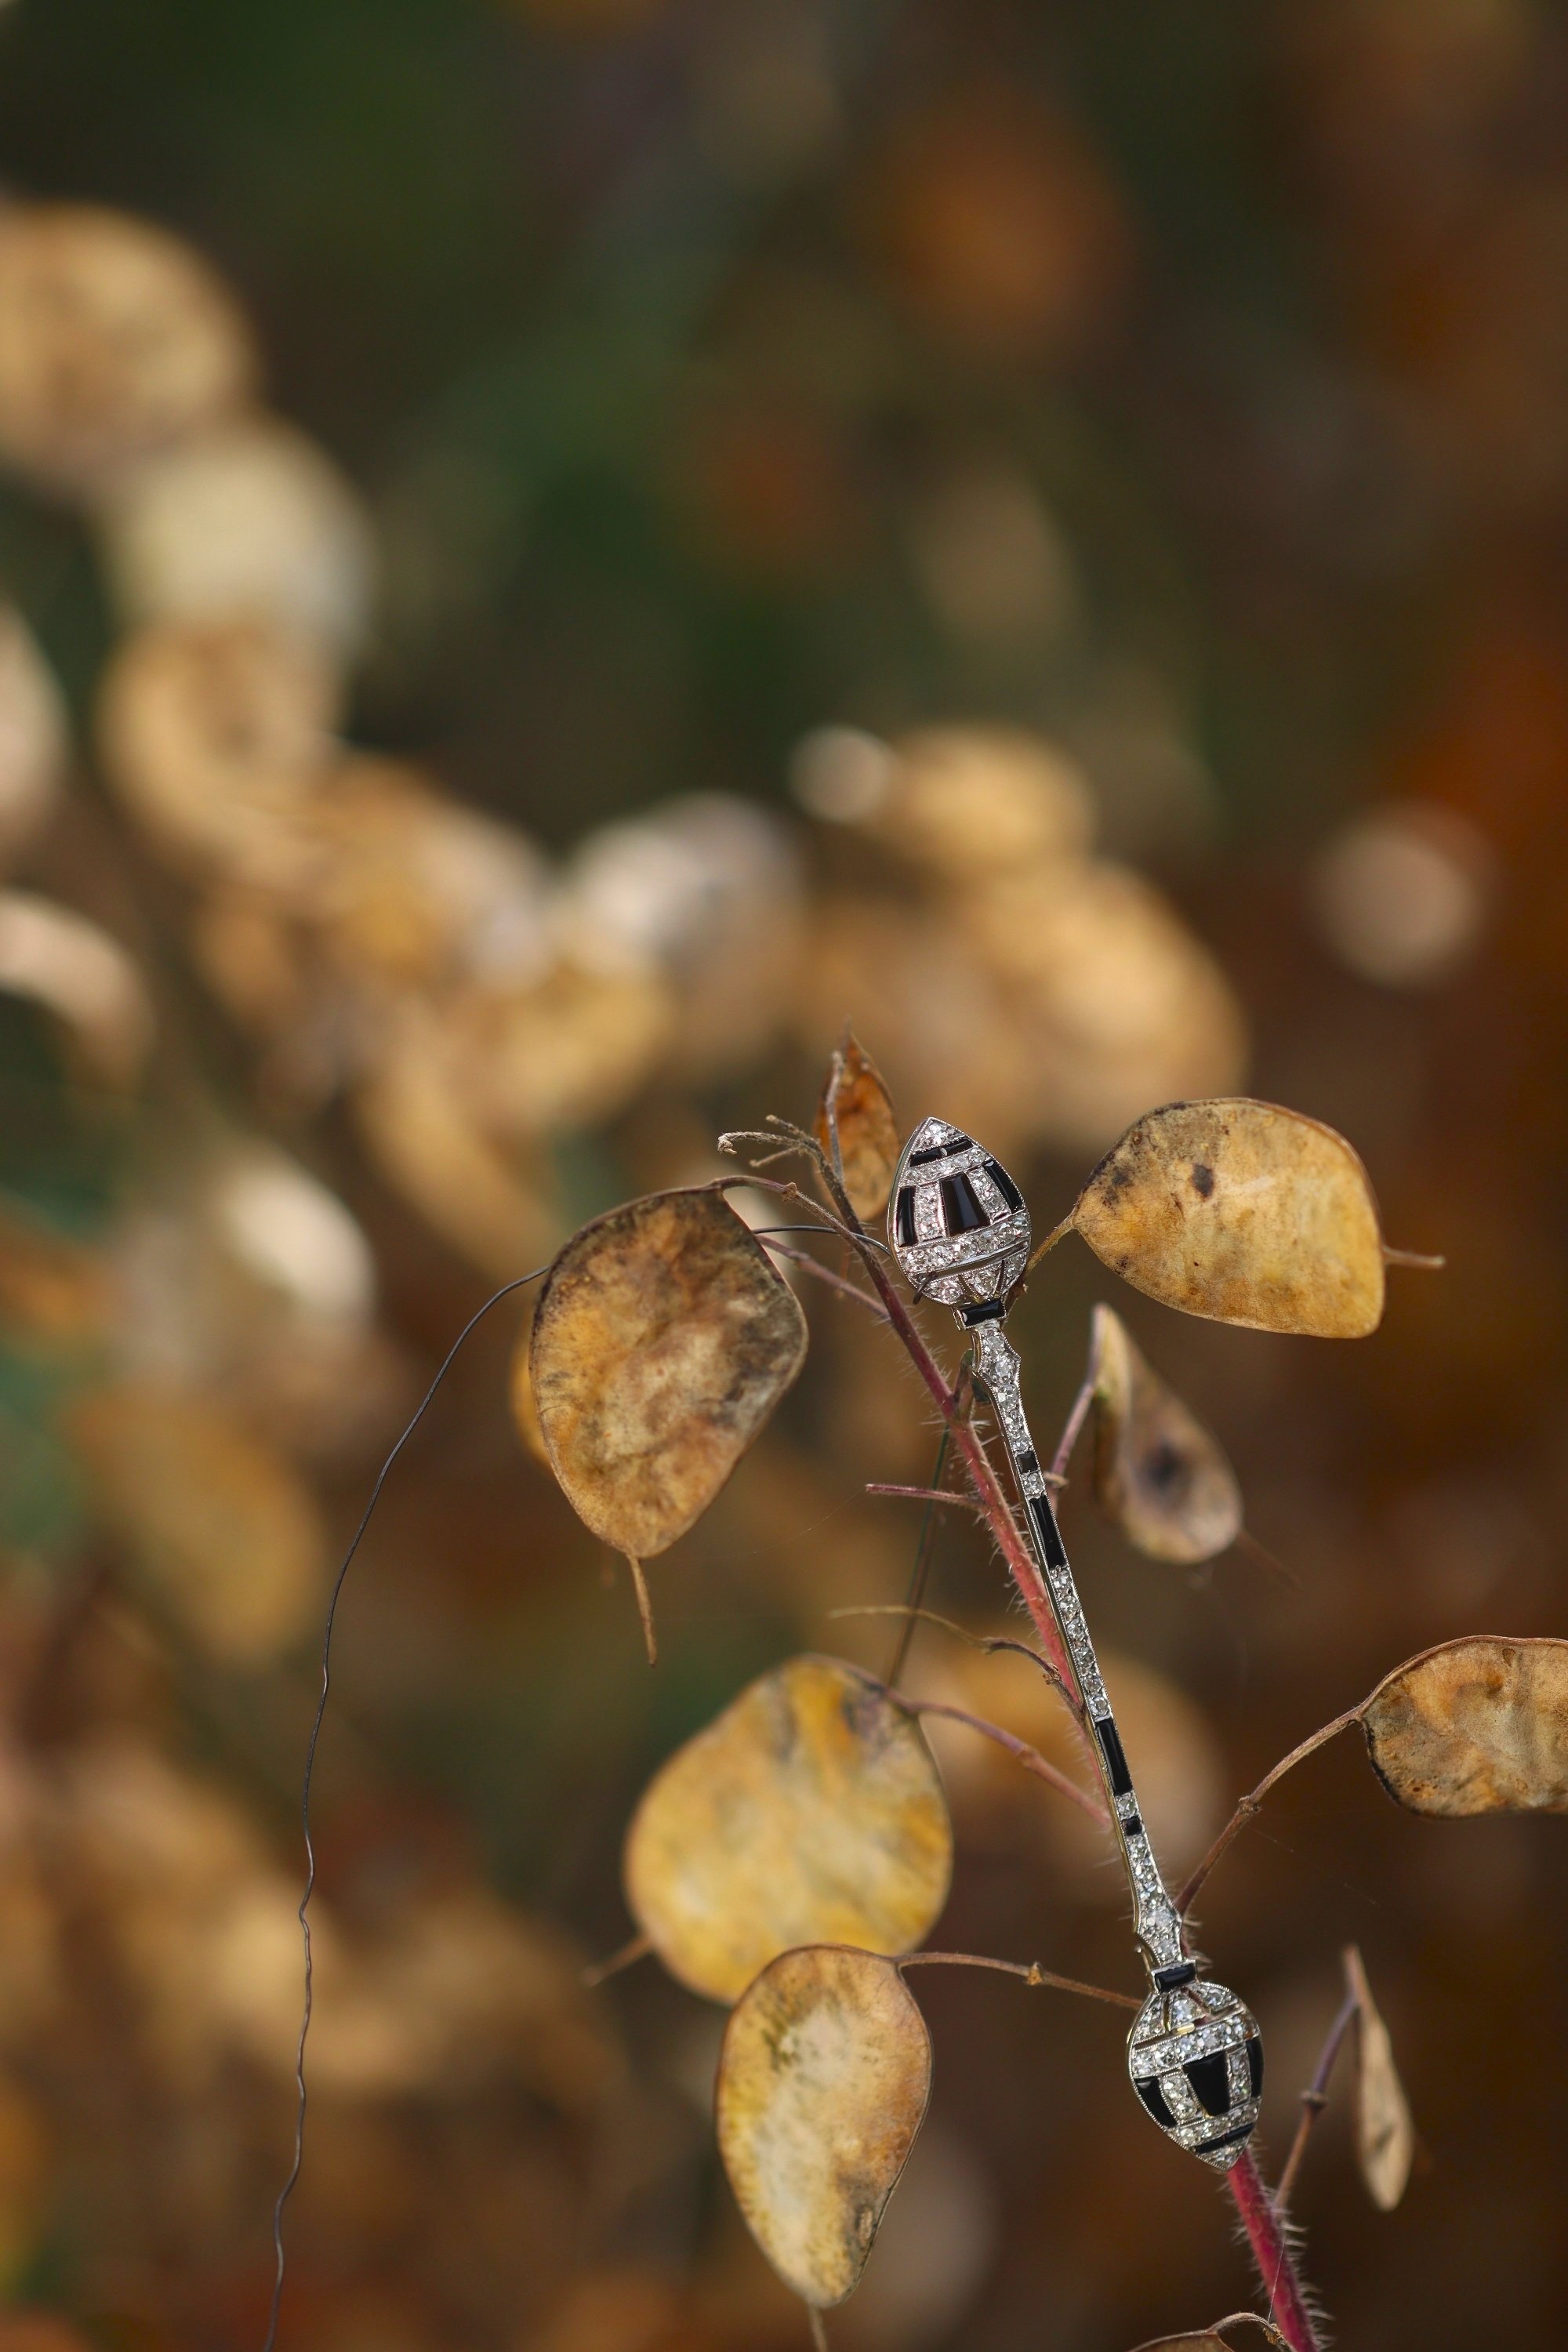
956 1222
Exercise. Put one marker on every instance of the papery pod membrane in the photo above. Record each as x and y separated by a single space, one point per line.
822 2082
869 1138
1243 1212
810 1811
662 1342
1476 1725
1158 1474
1385 2135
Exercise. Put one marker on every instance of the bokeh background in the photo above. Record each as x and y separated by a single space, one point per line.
624 532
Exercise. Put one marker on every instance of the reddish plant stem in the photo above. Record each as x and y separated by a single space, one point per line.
1265 2234
1020 1750
1276 2265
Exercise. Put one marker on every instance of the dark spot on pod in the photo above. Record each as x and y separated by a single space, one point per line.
1210 2078
1154 2098
1202 1180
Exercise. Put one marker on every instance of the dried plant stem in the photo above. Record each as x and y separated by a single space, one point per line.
818 2328
1264 2230
1069 1436
1423 1261
635 1948
921 1569
1250 1803
1057 1234
645 1608
810 1265
930 1494
1030 1971
1315 2098
1020 1749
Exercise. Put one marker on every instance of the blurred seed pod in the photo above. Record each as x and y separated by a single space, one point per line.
32 736
243 1277
1180 1773
408 888
250 518
562 1055
494 1207
998 223
1402 894
221 1532
959 802
116 340
995 564
1118 1004
707 890
213 733
59 960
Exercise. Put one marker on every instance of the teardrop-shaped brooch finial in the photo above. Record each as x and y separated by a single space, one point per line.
957 1222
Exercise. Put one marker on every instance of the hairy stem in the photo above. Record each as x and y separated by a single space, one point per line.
1276 2265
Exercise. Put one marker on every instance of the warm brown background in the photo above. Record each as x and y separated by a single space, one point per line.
1189 383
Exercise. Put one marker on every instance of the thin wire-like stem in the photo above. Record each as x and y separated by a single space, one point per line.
1288 2307
1420 1261
810 1265
644 1607
1250 1803
520 1282
1315 2098
1057 1233
818 2326
1074 1425
925 1550
949 1625
1020 1750
1030 1971
635 1948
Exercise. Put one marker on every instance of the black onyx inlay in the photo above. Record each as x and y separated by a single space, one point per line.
905 1226
1180 1972
1154 2098
990 1310
1046 1527
1004 1184
1255 2066
1110 1741
961 1209
1210 2078
1132 1826
939 1151
1028 1459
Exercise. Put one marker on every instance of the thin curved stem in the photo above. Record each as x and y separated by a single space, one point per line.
1250 1803
1030 1971
1020 1750
1315 2098
924 1548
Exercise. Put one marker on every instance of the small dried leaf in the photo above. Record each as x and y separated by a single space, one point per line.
823 2082
810 1811
1244 1211
1385 2137
867 1131
1158 1474
663 1340
1478 1725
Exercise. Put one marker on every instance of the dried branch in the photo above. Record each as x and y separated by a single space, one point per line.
1315 2098
1030 1971
1020 1750
1250 1803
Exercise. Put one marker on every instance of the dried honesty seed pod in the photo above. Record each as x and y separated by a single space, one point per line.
867 1131
1158 1474
823 2082
1385 2137
662 1342
1242 1212
810 1811
84 978
224 1534
32 734
249 518
1478 1725
115 340
213 734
